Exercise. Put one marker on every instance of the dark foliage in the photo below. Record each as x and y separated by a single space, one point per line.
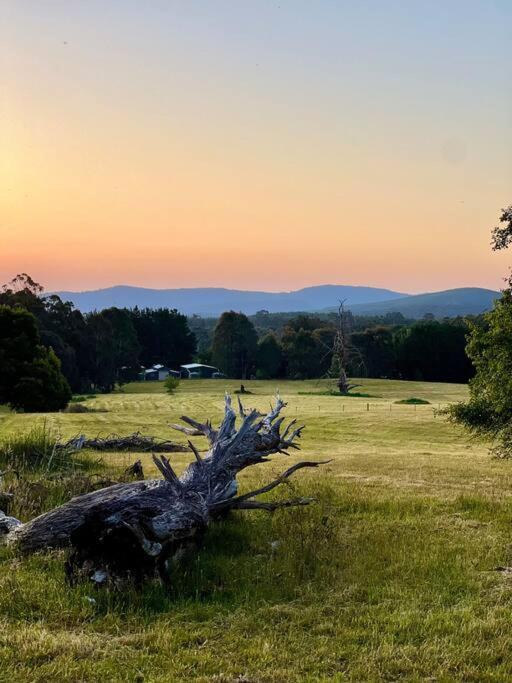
234 345
164 337
489 410
100 349
433 351
269 357
30 374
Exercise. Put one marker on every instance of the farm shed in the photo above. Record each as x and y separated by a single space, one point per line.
197 370
159 373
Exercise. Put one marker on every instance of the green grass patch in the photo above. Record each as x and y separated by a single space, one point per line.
389 576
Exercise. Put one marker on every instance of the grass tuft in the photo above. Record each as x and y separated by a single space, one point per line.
36 449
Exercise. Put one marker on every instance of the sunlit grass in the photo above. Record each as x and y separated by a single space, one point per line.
389 576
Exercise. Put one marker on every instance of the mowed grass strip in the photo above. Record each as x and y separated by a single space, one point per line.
390 575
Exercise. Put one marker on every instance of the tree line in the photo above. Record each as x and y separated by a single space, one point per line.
428 350
49 349
45 343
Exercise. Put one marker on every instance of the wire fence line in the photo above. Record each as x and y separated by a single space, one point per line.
381 407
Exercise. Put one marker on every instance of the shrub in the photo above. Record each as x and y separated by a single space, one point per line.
413 401
171 384
80 408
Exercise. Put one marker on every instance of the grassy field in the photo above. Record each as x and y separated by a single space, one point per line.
390 576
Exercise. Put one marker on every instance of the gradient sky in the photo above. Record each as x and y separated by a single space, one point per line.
268 145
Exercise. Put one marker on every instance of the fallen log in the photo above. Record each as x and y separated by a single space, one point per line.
136 443
133 529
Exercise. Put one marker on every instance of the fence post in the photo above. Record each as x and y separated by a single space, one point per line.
367 407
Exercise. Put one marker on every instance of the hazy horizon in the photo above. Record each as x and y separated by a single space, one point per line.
268 145
262 289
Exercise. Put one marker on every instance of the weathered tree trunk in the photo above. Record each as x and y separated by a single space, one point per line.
341 351
132 529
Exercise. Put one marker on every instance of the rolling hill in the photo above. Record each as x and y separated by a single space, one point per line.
212 301
448 303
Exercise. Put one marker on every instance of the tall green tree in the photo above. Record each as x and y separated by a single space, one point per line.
489 409
376 352
234 345
126 347
30 374
60 325
433 351
102 352
164 337
269 357
303 353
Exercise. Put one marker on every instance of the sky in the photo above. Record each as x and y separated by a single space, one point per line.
254 144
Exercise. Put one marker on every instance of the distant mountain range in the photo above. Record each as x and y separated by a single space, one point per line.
212 301
448 303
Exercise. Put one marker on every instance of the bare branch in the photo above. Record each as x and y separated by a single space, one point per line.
167 472
204 429
195 452
268 487
189 431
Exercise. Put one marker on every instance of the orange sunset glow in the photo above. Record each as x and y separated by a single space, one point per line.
190 144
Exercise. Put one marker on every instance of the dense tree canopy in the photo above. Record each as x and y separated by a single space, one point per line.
269 357
302 352
30 374
433 351
101 348
164 337
234 345
377 352
489 409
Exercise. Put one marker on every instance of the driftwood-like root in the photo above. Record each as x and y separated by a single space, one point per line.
133 530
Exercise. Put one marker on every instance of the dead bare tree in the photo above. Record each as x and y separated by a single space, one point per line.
134 529
342 353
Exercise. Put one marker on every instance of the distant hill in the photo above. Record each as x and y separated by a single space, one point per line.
449 303
212 301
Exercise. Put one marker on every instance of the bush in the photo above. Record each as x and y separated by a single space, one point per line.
171 384
413 401
37 449
80 408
